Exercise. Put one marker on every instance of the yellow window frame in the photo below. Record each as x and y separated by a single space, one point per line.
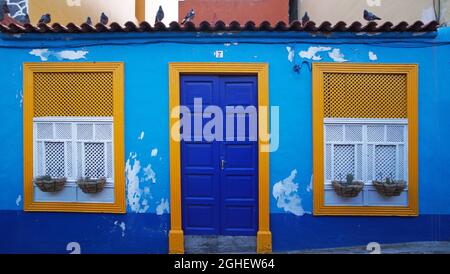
261 70
117 69
411 72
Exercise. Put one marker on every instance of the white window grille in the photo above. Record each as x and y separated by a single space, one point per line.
369 149
74 147
54 159
94 159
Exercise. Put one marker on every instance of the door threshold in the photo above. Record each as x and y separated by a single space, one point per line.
211 244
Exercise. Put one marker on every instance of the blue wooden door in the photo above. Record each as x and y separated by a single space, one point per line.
220 178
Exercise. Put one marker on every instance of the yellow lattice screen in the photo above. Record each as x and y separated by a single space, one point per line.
365 95
73 94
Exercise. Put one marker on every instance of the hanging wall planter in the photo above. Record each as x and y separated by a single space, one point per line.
389 187
88 185
48 184
348 188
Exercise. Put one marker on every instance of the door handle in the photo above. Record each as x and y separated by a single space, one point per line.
222 164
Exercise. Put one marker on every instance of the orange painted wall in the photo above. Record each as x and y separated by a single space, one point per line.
239 10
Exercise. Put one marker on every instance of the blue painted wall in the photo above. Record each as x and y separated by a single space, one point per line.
146 58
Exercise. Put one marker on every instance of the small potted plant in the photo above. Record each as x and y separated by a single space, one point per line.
48 184
89 185
389 187
348 188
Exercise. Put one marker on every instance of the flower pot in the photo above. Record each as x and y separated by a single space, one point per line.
49 184
344 189
389 189
91 185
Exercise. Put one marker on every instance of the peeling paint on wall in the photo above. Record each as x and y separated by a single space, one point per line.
372 56
145 205
309 188
141 136
71 54
149 174
122 227
133 191
162 207
138 193
286 194
337 56
368 34
44 54
291 54
19 97
18 200
311 53
229 44
154 152
41 53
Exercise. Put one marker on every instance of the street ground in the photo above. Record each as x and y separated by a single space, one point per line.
401 248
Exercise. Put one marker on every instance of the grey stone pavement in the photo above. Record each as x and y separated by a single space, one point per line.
247 245
401 248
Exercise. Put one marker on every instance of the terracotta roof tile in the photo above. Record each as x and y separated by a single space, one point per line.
204 26
7 19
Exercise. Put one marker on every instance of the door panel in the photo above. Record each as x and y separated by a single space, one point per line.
200 174
240 175
220 178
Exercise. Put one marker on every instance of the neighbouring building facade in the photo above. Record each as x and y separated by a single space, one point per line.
96 110
256 11
389 11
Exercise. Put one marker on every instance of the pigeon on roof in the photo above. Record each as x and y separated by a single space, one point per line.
104 19
45 19
26 19
305 19
189 16
159 15
89 20
370 16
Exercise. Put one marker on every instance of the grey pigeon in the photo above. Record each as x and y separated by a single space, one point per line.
305 19
189 16
370 16
89 20
104 19
45 19
26 19
159 15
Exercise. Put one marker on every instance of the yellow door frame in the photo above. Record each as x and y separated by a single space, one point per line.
176 235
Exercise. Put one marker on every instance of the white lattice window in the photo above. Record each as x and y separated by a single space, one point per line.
370 149
74 148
